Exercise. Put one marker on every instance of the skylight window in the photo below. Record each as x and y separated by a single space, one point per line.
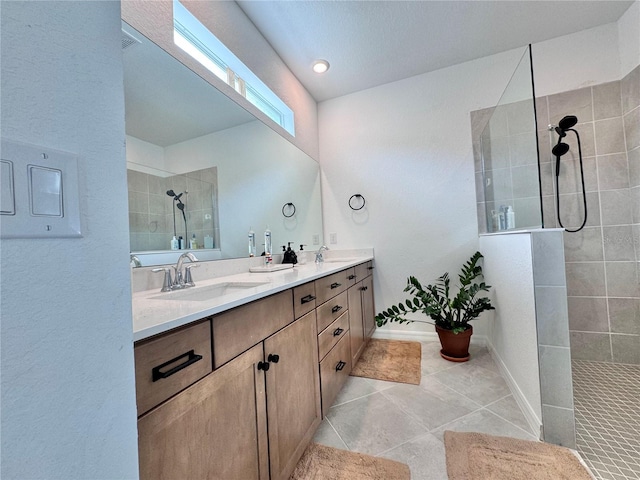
195 39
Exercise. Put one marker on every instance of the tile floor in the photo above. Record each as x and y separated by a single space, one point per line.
406 422
606 398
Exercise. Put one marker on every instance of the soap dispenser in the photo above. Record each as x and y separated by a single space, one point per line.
289 255
302 255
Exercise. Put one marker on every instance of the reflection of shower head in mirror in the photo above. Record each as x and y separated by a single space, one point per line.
171 193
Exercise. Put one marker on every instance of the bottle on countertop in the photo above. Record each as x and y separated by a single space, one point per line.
193 243
252 242
180 243
208 241
511 218
302 255
175 245
502 218
268 249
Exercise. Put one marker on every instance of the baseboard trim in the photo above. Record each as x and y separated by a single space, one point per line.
530 415
421 336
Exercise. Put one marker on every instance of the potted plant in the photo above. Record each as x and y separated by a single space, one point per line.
451 316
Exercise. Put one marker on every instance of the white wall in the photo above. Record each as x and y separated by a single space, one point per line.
508 268
406 147
629 39
68 399
145 153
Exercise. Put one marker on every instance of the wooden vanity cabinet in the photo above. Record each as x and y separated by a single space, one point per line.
361 310
215 429
293 393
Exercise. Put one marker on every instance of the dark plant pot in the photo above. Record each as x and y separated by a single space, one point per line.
455 347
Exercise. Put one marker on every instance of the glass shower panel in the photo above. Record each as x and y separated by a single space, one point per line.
509 155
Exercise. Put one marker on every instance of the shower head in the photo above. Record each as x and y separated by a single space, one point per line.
560 149
567 122
171 193
180 205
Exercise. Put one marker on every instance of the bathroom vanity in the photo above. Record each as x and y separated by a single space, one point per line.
234 386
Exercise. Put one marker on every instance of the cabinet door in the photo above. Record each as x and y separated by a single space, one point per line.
215 429
356 327
293 393
368 313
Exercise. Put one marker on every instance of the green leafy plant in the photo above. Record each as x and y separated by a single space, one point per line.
434 300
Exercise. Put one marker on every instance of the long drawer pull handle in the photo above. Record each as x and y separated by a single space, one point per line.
307 299
192 358
351 277
335 285
337 308
263 366
340 366
370 268
337 331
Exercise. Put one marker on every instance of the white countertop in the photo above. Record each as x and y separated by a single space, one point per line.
156 312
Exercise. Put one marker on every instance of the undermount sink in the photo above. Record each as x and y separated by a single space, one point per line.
338 260
201 294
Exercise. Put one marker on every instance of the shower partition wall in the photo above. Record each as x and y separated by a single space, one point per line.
506 157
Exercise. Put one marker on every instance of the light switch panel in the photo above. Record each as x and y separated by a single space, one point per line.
45 189
43 195
7 192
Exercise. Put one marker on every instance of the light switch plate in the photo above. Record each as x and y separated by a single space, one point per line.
45 192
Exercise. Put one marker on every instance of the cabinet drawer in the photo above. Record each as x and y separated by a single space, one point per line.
363 270
167 364
243 327
331 285
332 309
304 299
334 370
332 334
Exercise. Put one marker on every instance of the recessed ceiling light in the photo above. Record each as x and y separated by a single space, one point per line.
320 66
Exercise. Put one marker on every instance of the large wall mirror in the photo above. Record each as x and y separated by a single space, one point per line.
200 165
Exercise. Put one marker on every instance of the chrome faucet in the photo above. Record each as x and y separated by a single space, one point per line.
134 261
319 258
180 275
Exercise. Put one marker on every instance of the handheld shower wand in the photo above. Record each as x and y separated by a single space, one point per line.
566 125
171 193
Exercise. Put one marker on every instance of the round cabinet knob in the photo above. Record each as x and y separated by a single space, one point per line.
263 366
273 358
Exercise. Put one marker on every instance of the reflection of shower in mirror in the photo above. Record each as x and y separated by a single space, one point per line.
177 202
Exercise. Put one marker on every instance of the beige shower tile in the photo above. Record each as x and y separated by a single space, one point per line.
525 181
495 153
560 426
542 113
555 376
572 210
626 349
522 149
520 117
616 208
632 129
606 100
590 346
613 171
618 243
570 180
630 90
585 279
622 279
609 136
624 314
574 102
552 317
633 157
583 246
587 141
588 314
527 212
137 181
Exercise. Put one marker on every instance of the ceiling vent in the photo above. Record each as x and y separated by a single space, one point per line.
128 40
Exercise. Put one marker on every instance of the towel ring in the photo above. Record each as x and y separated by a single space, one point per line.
357 196
292 209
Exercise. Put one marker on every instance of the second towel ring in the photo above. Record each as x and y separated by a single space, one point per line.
292 209
357 196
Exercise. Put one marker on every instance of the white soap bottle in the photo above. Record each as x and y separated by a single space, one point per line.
268 259
252 242
511 218
175 245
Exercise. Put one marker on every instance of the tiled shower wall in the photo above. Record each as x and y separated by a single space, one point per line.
602 260
151 209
